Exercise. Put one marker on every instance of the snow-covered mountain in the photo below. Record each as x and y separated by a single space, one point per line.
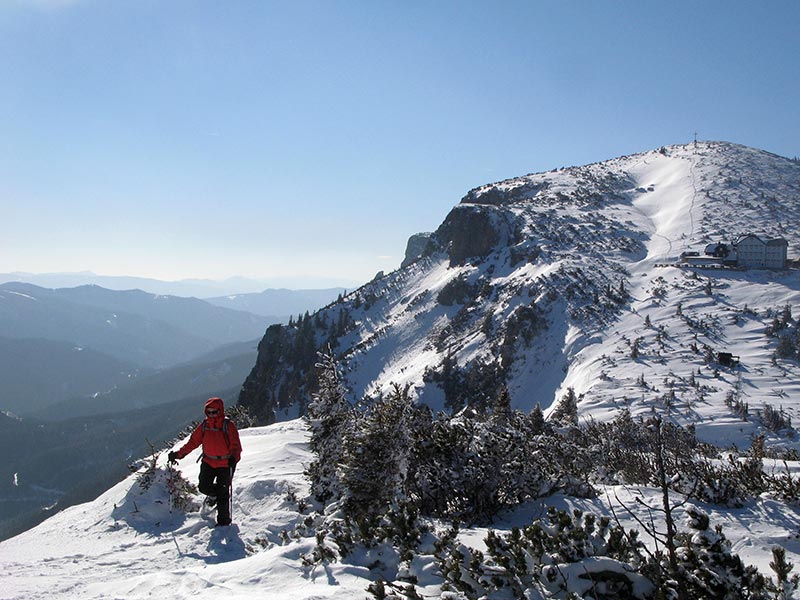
572 279
568 280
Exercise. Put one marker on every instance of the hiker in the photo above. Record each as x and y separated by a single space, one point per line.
221 451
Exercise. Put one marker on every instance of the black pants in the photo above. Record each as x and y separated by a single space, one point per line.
220 489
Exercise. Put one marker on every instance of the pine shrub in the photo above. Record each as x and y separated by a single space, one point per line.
394 463
329 418
708 567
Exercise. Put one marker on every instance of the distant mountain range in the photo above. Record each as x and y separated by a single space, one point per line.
187 288
211 374
141 329
37 373
85 345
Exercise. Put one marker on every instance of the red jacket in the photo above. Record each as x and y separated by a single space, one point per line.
220 440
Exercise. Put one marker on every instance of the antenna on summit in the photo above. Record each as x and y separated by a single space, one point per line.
695 139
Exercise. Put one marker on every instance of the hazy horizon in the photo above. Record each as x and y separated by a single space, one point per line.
239 284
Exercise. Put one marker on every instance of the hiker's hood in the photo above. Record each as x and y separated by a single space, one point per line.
218 404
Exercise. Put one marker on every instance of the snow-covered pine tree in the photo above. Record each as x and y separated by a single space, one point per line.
560 556
785 584
444 463
514 443
708 568
535 422
566 411
482 458
374 459
329 416
487 453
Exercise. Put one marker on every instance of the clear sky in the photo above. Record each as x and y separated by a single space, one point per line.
195 138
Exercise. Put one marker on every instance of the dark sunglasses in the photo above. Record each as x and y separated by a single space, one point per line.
212 413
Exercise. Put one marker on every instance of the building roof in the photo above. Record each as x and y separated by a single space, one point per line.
747 236
777 242
771 242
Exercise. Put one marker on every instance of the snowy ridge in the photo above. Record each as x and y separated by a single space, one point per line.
128 544
574 278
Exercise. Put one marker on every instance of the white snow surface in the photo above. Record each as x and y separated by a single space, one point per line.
127 544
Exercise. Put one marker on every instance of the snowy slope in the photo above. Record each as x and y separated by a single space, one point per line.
575 274
704 196
128 544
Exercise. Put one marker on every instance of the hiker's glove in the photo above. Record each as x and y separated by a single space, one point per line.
232 462
172 457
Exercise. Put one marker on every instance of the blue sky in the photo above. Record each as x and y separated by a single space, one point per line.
308 140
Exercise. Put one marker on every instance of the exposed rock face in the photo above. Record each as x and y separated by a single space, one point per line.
257 394
470 231
283 372
416 247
